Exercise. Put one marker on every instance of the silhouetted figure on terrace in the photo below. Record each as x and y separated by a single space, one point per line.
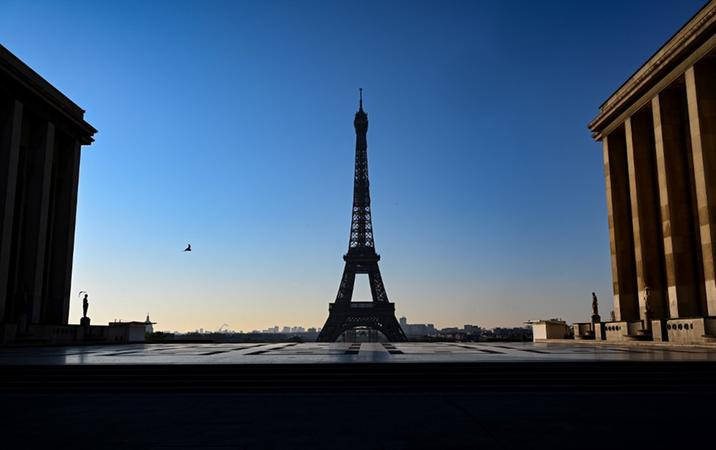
595 309
595 305
85 305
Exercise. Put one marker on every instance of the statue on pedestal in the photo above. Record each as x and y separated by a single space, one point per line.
85 321
595 309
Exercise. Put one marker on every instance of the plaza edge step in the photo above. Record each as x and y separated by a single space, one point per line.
398 377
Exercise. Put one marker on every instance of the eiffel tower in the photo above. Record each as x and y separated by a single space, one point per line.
345 314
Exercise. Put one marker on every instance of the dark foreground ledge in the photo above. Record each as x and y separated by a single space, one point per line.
411 406
683 376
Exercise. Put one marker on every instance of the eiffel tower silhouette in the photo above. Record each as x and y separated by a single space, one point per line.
345 314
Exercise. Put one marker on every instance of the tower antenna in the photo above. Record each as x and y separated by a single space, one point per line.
360 90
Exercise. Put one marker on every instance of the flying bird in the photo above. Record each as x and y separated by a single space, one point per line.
188 248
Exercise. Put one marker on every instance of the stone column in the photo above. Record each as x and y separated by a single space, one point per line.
38 219
61 230
646 222
30 221
10 128
701 98
677 203
621 237
75 150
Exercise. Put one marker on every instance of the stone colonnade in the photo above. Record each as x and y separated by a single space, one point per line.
39 175
660 170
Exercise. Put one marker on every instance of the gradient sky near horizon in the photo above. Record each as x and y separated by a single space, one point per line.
229 125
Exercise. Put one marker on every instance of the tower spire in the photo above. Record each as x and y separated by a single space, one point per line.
361 237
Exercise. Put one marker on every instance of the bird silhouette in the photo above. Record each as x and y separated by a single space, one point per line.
188 248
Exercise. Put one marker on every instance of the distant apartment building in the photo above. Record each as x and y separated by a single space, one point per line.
417 329
472 329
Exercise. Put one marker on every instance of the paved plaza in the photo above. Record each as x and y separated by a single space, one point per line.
325 353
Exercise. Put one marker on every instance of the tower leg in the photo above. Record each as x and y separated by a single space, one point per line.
345 316
345 290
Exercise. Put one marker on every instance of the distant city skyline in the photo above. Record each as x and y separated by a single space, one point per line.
230 127
411 329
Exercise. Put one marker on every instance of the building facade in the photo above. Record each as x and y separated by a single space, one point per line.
41 135
658 133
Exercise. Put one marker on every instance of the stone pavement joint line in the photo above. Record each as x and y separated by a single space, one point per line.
339 352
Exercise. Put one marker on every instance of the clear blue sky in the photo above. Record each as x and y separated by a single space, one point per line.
229 125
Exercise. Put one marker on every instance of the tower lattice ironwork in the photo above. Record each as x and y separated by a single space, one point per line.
345 314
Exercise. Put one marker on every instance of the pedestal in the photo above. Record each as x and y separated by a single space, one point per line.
85 322
599 332
596 318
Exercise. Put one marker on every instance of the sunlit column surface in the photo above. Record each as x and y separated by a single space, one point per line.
646 222
681 252
620 226
701 98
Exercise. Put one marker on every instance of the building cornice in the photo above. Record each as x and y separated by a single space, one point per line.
698 29
13 67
